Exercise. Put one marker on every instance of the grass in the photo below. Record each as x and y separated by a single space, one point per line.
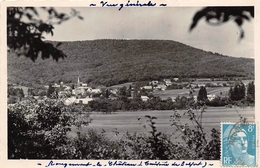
184 92
120 122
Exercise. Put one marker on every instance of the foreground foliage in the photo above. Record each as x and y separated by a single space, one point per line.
219 15
26 29
41 129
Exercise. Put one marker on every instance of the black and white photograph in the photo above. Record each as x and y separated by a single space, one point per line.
127 80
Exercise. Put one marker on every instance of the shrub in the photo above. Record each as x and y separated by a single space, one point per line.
196 144
153 146
93 145
38 129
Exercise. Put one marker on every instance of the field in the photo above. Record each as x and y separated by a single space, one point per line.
137 122
184 92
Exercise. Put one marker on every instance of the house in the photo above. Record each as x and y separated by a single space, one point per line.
55 85
73 99
147 87
167 82
65 93
68 88
70 100
214 84
84 100
211 97
114 91
161 87
195 98
81 84
95 91
154 83
144 98
201 84
82 90
191 85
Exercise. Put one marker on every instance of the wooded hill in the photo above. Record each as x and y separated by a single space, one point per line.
110 62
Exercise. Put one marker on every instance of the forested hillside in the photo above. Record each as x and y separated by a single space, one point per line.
110 62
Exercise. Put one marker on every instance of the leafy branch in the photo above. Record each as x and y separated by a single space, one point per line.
216 16
25 31
196 142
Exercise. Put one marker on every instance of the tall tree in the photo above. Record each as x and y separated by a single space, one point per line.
237 92
231 93
50 91
242 91
107 93
251 92
202 95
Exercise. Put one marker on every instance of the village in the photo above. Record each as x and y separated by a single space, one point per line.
82 93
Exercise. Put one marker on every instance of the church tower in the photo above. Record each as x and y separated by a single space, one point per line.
78 83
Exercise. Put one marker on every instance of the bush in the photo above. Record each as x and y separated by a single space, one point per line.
154 146
218 101
93 145
196 144
39 128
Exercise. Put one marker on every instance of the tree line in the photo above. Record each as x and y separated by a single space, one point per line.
238 94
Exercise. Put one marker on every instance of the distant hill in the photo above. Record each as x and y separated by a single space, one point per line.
110 62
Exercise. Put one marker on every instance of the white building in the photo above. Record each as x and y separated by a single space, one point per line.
144 98
147 87
161 87
211 97
82 90
201 84
96 91
167 82
155 82
73 99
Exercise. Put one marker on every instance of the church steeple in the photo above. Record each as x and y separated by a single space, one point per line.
78 84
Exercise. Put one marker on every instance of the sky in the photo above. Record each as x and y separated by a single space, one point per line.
163 23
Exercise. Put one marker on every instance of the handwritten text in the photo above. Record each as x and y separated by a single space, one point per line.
128 4
126 163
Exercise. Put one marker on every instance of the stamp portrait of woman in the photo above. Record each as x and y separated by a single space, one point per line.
236 146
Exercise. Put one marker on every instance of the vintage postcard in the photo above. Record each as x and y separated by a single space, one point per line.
129 83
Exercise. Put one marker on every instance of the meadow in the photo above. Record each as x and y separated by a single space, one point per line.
164 94
116 124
